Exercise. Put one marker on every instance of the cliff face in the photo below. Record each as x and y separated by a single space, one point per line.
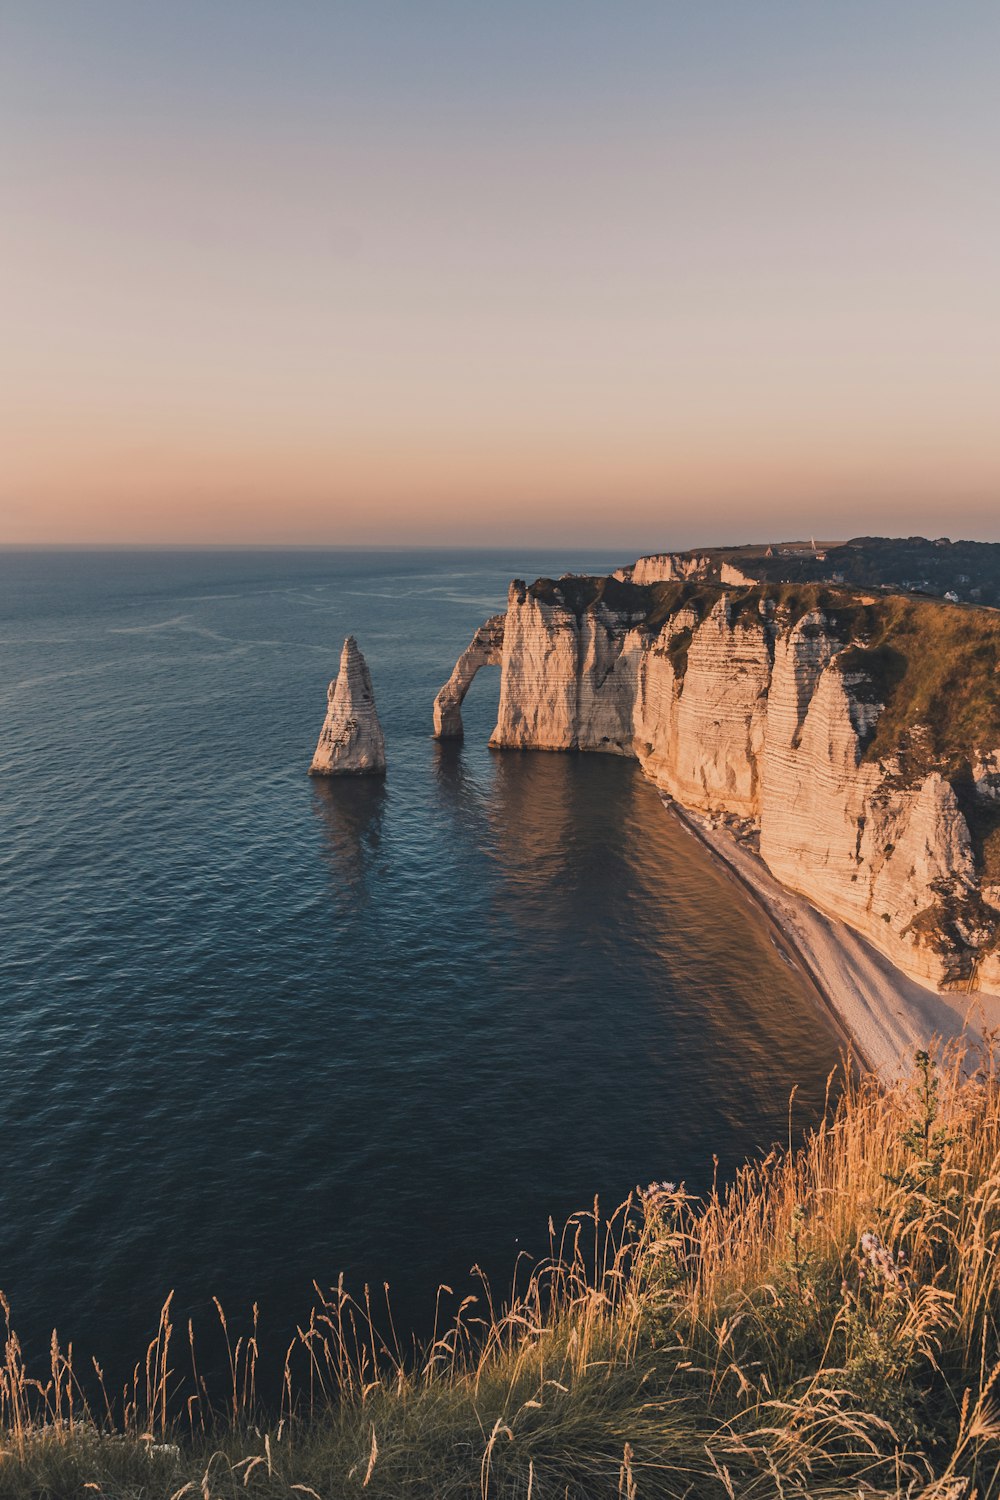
766 708
700 712
566 682
660 567
350 742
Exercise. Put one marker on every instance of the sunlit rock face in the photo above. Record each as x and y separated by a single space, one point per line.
484 650
890 859
351 741
745 707
700 711
729 574
659 567
567 683
540 675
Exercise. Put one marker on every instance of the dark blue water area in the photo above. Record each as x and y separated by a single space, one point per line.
257 1029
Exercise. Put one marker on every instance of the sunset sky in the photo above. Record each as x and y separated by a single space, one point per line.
546 271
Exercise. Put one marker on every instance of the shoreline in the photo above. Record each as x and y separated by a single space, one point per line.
784 940
883 1014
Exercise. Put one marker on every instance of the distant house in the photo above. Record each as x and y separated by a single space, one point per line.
951 597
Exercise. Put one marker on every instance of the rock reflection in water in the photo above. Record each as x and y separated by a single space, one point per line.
351 810
555 834
585 845
460 791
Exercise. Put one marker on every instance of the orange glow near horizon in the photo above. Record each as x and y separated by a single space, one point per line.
475 291
145 491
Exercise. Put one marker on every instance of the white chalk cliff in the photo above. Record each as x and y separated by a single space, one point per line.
350 742
743 705
658 567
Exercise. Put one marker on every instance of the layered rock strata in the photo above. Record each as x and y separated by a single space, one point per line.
661 567
746 705
351 741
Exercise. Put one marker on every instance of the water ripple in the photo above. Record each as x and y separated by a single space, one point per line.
257 1029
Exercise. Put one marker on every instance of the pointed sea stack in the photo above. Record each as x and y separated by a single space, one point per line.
350 742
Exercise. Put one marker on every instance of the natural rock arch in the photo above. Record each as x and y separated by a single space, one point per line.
484 650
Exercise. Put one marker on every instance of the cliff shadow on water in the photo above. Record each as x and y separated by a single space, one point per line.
675 981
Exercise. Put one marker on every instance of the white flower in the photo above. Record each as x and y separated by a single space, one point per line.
880 1258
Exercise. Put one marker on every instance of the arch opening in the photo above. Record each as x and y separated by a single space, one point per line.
484 650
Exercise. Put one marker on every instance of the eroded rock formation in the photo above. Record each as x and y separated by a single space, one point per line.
350 742
764 706
659 567
484 650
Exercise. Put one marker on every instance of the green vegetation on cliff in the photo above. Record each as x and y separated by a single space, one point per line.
826 1328
901 564
935 666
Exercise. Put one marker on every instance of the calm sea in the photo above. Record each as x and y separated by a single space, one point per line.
256 1029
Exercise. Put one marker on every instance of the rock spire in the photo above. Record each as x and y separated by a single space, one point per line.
350 742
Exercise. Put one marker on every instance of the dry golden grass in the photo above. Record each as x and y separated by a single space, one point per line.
826 1327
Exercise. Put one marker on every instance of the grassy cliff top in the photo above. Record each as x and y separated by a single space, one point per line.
934 665
913 563
825 1329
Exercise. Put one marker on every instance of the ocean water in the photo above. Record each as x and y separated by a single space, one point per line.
257 1029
